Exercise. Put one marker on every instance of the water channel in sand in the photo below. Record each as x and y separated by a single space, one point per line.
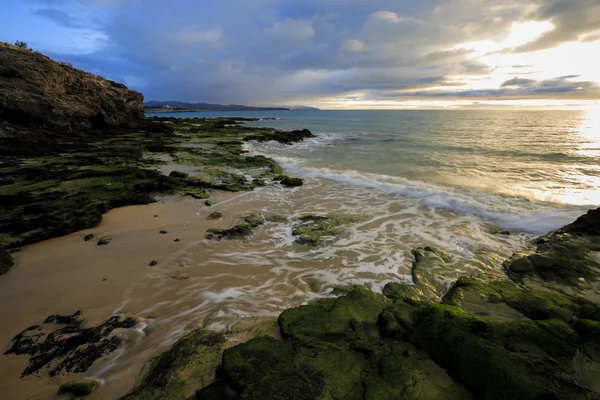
198 282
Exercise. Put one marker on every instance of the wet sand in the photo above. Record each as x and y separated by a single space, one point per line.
202 283
63 275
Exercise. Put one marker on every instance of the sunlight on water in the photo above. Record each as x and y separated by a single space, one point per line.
585 179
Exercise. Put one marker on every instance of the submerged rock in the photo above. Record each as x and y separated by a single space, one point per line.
215 215
6 261
316 230
244 228
89 236
281 136
104 240
70 348
289 182
79 388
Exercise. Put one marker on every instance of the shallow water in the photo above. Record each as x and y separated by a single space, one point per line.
413 178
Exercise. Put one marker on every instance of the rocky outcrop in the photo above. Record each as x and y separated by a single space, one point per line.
6 261
518 338
37 92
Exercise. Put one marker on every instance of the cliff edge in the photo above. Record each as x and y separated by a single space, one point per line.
39 93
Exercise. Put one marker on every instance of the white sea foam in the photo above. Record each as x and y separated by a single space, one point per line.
507 212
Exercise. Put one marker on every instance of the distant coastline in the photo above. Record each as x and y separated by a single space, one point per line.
182 107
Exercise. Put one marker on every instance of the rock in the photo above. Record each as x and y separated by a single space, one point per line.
178 372
197 193
244 228
291 182
588 224
36 91
281 136
427 263
215 215
79 388
178 174
6 261
560 258
104 240
316 230
76 319
177 240
163 232
208 203
70 348
89 236
153 263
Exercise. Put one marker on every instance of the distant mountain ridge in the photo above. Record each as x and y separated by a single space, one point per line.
179 106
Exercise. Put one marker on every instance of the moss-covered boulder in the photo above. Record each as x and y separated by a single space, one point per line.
560 258
79 388
177 373
528 344
178 174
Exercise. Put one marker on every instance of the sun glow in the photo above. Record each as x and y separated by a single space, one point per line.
520 34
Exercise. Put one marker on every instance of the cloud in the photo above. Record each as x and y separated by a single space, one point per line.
352 46
573 20
519 82
267 51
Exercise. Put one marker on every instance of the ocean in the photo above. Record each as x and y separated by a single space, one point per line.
532 171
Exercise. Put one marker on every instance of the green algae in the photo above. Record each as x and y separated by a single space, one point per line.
175 374
367 346
79 388
215 215
55 190
316 230
243 228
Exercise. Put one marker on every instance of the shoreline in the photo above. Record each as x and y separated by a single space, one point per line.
154 295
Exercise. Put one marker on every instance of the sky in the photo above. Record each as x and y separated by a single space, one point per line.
333 54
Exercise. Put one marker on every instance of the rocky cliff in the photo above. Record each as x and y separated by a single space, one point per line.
39 93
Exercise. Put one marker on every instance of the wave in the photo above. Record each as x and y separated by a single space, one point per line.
507 212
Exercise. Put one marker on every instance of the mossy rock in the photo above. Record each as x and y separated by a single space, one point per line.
6 261
288 181
179 175
500 360
350 318
562 257
215 215
79 388
242 229
405 291
316 230
177 373
427 262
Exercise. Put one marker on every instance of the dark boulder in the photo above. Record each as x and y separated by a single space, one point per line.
6 261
